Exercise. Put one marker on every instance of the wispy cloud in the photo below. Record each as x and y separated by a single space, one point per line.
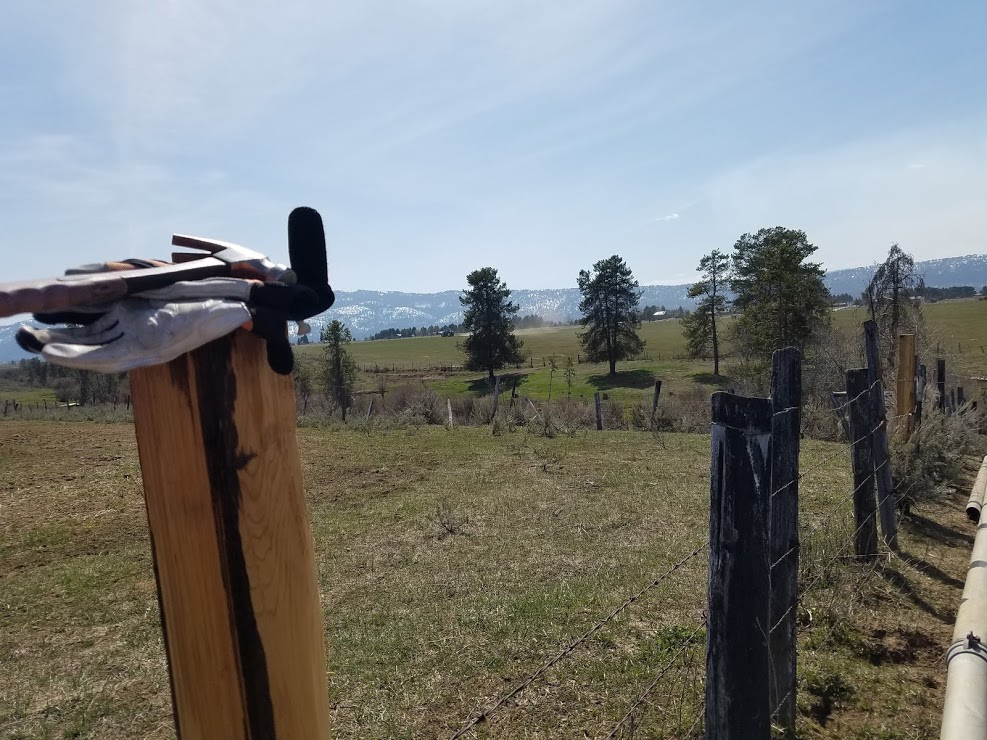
669 217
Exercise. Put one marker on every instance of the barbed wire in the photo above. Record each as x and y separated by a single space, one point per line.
651 686
485 714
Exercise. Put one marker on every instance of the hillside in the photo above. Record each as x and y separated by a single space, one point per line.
367 312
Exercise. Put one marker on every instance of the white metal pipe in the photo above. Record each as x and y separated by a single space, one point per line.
976 502
964 714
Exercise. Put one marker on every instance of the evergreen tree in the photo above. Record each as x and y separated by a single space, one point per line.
609 306
700 326
782 298
340 368
488 316
888 296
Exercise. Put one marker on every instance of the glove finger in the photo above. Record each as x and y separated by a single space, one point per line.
105 329
186 290
69 317
294 301
272 325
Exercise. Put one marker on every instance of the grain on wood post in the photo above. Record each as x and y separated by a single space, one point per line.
654 401
862 422
941 382
783 544
906 380
879 439
599 412
738 703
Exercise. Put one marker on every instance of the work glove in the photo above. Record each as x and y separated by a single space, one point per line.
159 325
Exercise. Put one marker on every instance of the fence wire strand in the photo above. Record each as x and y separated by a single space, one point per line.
486 713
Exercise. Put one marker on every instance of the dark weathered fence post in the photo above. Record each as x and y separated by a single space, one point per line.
960 397
862 423
370 408
599 412
654 401
783 546
496 396
941 382
738 703
879 439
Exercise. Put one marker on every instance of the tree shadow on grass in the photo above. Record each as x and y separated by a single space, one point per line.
710 379
483 386
639 379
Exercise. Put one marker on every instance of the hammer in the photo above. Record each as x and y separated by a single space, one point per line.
70 291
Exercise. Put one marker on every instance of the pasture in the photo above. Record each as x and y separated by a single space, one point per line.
452 563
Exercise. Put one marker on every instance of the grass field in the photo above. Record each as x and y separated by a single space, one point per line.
452 563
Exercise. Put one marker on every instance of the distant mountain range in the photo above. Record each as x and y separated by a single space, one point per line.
367 312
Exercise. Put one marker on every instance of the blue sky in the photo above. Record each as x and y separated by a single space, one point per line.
439 136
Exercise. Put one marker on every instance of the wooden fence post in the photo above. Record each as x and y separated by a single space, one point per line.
862 422
654 401
599 412
838 399
905 390
941 382
919 400
496 396
783 546
880 452
449 409
370 408
738 703
960 397
231 543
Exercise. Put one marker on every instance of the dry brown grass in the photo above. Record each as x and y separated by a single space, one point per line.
452 563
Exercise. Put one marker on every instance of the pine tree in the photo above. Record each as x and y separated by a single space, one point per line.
488 316
782 298
700 326
609 303
340 368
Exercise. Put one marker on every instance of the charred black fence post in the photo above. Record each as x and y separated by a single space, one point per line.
738 700
783 545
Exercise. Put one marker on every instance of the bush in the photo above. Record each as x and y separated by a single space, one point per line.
932 457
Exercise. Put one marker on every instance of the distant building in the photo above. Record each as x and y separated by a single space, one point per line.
660 314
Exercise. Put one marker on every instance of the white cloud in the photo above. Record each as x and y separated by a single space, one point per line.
669 217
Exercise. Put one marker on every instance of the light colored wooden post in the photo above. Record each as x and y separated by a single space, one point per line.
906 381
449 409
231 543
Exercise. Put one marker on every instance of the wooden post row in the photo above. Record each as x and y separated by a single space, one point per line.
783 535
231 544
737 663
862 421
880 452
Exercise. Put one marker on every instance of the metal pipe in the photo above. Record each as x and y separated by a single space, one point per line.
965 708
976 502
